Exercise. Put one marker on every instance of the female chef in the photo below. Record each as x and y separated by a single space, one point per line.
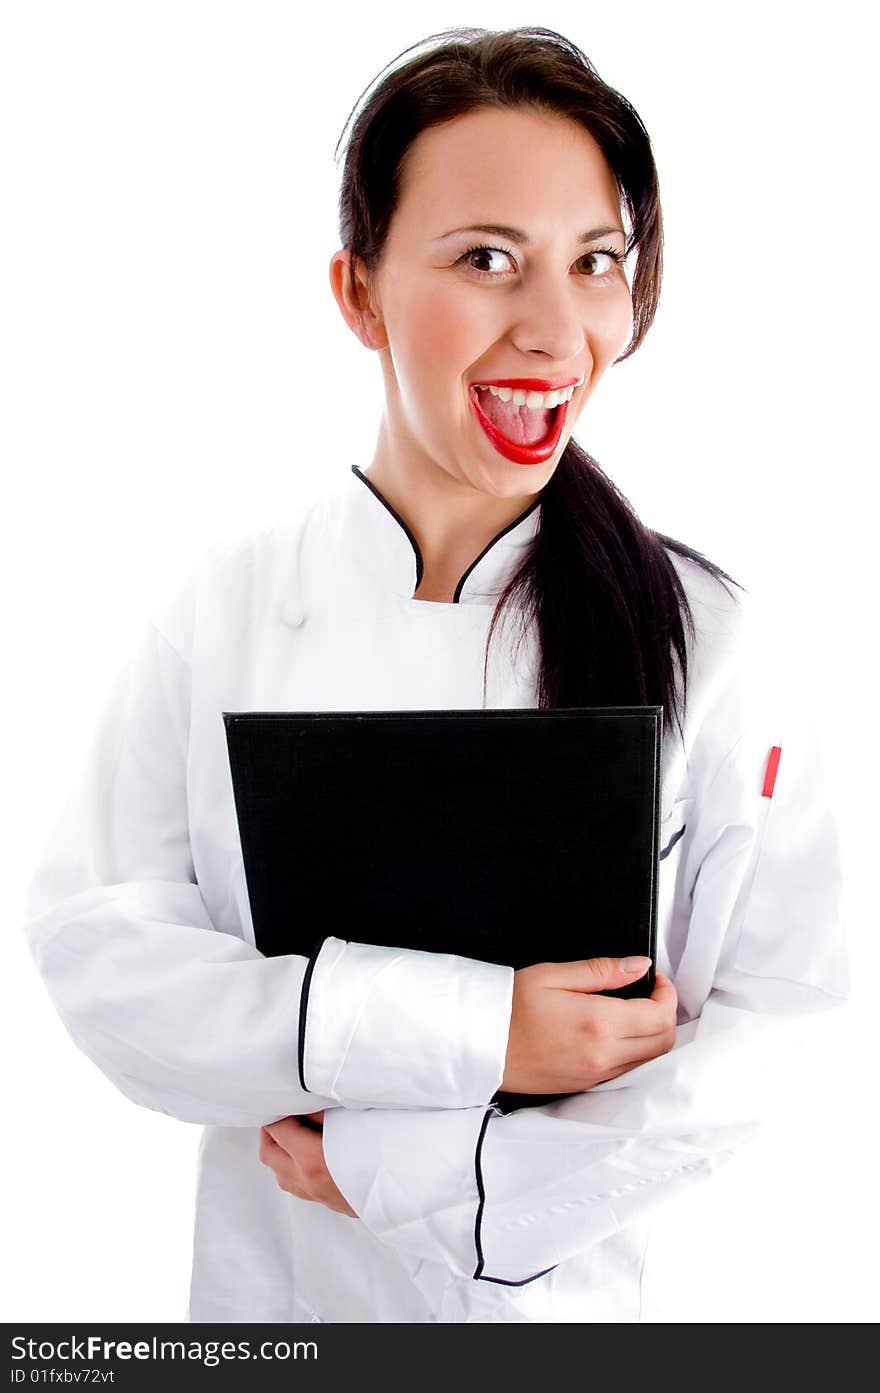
494 192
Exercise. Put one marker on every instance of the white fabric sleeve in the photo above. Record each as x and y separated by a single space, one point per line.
403 1025
759 888
195 1022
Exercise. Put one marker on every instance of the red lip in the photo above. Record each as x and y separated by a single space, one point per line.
530 384
521 454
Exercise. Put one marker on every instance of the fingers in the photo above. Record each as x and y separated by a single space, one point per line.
302 1170
607 1050
621 1055
292 1151
596 974
604 974
284 1128
270 1152
293 1136
638 1048
664 990
635 1016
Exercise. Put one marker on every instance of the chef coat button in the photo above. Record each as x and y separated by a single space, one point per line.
293 613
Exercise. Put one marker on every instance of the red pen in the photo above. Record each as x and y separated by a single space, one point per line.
770 772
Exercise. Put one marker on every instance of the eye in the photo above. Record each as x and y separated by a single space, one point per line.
615 258
484 252
609 253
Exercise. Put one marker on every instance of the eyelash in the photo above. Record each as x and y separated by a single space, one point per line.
616 257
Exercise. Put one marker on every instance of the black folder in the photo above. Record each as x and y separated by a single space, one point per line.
514 836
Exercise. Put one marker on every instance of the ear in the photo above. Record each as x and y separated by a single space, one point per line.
356 308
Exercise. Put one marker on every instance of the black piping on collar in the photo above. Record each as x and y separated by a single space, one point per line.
420 566
509 528
456 598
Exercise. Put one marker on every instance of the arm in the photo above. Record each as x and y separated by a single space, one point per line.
507 1198
195 1022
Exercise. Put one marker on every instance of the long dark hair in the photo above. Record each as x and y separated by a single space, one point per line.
599 585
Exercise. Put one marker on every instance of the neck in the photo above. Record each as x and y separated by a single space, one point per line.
450 519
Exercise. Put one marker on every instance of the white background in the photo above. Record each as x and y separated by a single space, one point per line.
174 370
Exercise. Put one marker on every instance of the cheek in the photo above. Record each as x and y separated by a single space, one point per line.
611 327
433 335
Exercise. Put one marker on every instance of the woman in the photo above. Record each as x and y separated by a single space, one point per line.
353 1166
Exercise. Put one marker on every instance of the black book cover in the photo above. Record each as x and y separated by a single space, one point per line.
514 836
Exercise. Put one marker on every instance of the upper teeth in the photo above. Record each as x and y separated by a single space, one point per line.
532 400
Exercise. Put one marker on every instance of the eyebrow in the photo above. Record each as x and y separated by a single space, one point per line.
515 234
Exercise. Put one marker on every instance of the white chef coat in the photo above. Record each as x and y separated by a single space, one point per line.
139 923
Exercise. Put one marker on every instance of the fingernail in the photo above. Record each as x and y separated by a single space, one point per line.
635 964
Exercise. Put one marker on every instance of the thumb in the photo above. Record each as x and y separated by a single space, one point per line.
596 974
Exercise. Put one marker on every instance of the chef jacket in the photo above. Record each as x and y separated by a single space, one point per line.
139 923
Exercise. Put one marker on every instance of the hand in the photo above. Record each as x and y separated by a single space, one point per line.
564 1040
295 1153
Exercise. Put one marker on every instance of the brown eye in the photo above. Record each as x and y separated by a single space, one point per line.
486 253
609 255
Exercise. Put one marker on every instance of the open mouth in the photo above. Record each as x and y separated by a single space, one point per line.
521 434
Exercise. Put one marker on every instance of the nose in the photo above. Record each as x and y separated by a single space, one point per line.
549 320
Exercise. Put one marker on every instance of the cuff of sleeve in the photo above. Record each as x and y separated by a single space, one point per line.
412 1178
403 1028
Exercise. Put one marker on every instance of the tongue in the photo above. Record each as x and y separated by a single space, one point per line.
518 423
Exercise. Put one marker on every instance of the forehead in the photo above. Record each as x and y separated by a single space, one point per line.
521 167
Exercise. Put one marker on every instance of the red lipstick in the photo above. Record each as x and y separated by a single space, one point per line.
531 384
541 451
